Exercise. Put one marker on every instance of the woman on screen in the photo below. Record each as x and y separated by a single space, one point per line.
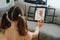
15 26
40 13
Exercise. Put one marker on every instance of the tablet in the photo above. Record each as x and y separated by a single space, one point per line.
39 13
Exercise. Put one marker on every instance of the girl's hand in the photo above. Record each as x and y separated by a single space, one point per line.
40 23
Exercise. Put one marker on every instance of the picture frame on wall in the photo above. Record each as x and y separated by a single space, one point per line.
40 12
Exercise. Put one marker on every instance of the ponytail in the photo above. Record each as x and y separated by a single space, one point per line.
4 22
22 26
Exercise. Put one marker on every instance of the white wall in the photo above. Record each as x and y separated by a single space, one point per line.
4 4
54 3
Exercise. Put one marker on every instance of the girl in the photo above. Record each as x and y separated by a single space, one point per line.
15 27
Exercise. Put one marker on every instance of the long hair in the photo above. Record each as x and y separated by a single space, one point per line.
13 15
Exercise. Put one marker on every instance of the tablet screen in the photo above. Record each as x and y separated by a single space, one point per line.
40 12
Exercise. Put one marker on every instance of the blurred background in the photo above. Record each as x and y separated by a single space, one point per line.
51 28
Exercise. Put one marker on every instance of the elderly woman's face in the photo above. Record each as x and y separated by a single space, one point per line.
40 12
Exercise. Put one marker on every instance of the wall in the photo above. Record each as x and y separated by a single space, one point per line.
5 6
52 3
55 4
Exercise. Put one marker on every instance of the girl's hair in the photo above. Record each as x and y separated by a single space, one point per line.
13 15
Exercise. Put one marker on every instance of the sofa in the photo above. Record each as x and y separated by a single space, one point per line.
47 32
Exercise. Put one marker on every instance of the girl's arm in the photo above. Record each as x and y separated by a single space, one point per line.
36 32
